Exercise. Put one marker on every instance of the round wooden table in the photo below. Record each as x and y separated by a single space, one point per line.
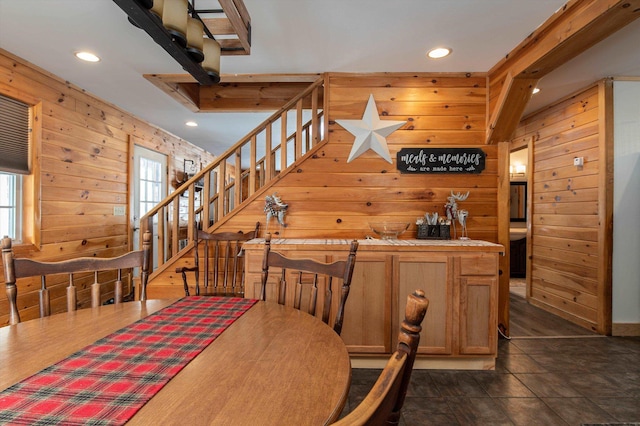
273 365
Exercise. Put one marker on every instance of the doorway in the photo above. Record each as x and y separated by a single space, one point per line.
518 166
149 188
525 320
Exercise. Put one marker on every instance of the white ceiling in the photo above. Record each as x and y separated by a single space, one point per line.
296 36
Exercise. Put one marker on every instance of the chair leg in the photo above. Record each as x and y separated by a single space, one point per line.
282 291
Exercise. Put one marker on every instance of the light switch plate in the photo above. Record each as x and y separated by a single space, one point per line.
119 210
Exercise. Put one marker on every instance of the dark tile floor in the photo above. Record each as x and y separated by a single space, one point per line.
537 381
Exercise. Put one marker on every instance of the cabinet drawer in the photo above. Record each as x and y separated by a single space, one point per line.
478 265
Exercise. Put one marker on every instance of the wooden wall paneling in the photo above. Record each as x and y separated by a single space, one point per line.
442 108
81 169
87 247
418 137
523 134
330 198
400 79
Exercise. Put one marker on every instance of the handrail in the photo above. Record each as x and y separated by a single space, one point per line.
206 199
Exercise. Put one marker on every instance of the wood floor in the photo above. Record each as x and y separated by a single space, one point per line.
528 321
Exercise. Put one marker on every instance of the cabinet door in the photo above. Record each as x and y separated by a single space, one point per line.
366 329
253 270
432 274
478 315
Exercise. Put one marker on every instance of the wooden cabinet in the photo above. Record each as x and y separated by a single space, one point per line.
459 278
477 304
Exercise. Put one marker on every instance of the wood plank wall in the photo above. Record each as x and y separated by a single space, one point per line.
331 198
83 169
570 246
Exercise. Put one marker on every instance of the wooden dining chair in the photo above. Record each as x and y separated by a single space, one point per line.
223 263
306 273
15 268
384 401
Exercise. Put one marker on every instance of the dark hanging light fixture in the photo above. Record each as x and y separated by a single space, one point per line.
176 26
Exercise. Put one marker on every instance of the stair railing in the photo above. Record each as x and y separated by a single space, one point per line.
207 199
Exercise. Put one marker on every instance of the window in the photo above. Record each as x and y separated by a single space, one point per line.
10 206
14 163
150 184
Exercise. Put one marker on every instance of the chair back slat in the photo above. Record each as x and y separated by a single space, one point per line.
17 268
303 268
118 288
72 295
235 259
326 309
229 265
43 298
314 298
95 291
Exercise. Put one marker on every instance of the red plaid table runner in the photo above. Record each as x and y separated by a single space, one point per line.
107 382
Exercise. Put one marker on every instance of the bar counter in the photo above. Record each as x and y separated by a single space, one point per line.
459 277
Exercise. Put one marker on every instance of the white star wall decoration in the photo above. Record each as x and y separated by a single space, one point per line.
370 132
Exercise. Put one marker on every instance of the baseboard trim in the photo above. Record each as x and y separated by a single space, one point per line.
625 329
479 363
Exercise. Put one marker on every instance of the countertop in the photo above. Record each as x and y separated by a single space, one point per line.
382 245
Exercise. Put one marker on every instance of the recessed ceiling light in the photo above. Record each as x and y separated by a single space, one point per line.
191 124
87 56
535 90
439 52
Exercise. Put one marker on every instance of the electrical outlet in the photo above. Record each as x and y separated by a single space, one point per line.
578 161
119 210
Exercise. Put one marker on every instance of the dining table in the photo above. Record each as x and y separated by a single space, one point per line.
268 365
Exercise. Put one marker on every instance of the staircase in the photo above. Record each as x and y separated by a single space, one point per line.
241 174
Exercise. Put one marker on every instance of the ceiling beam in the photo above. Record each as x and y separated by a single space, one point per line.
574 28
513 98
235 92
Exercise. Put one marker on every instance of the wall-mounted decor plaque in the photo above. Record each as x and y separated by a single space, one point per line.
440 160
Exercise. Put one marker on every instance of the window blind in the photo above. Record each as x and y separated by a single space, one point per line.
14 136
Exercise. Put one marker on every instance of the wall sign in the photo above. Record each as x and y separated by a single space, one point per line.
440 160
